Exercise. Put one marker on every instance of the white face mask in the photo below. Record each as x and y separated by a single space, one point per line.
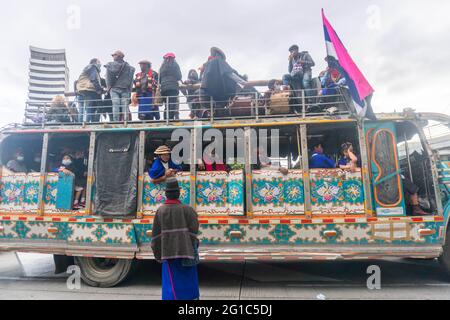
67 162
37 159
20 158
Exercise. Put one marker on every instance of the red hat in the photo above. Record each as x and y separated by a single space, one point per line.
169 55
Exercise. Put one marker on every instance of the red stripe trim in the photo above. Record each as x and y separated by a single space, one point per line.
439 219
372 220
243 222
145 221
306 221
23 219
56 219
350 220
6 218
264 221
90 220
39 219
285 221
203 221
328 220
223 221
417 219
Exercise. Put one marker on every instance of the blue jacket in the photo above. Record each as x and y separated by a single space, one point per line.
321 161
158 171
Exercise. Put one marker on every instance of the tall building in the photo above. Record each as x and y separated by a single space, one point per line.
49 76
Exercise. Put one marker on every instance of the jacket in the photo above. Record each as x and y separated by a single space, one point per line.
89 80
170 76
158 171
152 82
124 80
175 232
308 62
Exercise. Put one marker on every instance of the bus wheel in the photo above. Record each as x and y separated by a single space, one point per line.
104 273
444 259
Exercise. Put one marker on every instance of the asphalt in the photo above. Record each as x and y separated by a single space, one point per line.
30 277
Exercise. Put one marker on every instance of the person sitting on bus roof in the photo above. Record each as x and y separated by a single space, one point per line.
68 167
60 112
319 160
163 167
348 160
300 70
17 164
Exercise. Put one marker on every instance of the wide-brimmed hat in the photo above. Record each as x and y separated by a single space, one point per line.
163 150
218 52
172 185
118 53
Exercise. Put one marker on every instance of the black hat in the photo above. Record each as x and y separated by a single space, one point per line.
294 47
172 185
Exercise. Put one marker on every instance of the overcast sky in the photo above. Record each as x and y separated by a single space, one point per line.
401 46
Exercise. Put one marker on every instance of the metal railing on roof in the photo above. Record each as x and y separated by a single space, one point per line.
245 105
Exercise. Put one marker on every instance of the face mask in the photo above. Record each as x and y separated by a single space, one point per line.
67 162
20 158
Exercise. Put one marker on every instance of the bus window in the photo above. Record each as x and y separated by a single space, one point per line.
335 172
67 161
22 153
416 168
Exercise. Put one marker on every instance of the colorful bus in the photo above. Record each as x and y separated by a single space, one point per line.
246 213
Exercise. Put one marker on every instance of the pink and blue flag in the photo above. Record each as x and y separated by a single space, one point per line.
360 90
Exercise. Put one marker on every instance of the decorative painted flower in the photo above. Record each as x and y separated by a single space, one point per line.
269 193
12 194
157 195
328 192
213 193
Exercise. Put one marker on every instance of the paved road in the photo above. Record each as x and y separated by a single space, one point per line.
29 276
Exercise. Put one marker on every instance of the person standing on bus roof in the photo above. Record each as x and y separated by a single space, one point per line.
119 80
89 86
163 167
170 77
145 85
17 164
319 160
175 244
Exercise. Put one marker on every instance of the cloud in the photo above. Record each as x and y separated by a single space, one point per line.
404 57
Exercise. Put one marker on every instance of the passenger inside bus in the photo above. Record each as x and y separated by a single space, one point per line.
36 164
163 167
265 163
17 163
211 163
71 166
348 160
319 160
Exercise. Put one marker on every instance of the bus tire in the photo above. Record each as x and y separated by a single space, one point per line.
444 259
104 273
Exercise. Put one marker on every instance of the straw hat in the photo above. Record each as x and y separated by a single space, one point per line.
163 150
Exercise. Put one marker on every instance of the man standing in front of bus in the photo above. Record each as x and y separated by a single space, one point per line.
175 244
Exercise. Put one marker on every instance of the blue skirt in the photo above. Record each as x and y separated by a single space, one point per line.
179 282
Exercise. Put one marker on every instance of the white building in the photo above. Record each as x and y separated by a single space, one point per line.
48 77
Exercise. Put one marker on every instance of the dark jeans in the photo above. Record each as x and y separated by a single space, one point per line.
91 101
170 100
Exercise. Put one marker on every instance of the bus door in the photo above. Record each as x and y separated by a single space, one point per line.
386 174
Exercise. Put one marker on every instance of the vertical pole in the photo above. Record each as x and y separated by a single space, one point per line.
248 171
365 169
193 174
408 158
167 110
43 175
303 104
140 205
305 165
256 106
211 108
90 177
290 153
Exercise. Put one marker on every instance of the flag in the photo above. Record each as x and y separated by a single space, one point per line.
360 89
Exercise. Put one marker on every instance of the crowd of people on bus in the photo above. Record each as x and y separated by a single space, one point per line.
216 82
